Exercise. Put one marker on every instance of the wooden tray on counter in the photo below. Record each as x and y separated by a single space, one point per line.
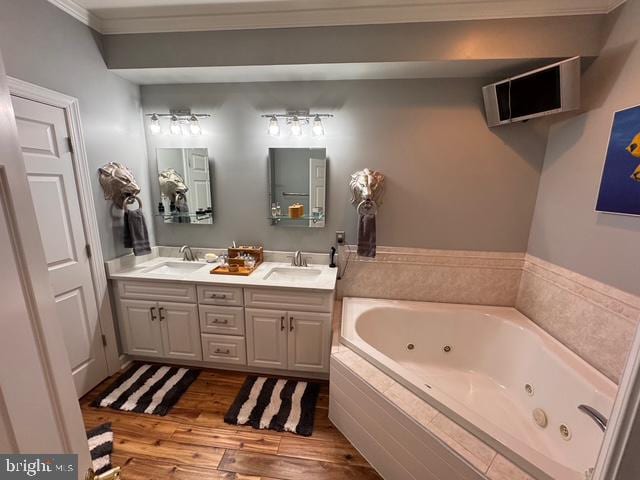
242 271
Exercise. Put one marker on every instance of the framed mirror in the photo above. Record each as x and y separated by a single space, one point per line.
184 177
297 187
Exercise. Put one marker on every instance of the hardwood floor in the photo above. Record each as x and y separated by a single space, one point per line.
193 442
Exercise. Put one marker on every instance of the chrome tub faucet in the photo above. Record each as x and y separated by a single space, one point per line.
595 415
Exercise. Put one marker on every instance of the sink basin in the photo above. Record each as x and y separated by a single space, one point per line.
175 268
293 274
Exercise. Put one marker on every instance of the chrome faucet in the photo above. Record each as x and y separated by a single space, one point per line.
298 260
187 254
597 417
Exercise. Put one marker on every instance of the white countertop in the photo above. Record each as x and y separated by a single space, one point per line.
129 269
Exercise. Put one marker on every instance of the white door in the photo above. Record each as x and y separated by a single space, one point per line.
199 193
266 338
39 412
180 330
140 325
309 341
43 137
317 188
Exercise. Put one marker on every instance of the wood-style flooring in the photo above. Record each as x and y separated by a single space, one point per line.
193 442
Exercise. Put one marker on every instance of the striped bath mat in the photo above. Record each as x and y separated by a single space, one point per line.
146 388
275 404
101 446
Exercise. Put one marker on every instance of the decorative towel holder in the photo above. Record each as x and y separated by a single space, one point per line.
131 199
118 184
367 190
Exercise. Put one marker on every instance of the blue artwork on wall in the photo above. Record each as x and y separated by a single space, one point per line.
620 184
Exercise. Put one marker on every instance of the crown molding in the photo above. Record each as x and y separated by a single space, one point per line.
79 13
289 13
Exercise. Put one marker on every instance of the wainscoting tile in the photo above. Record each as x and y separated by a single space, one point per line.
479 278
594 320
503 469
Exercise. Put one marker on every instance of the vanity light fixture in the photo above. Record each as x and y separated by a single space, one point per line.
297 119
175 126
194 125
177 120
274 126
296 128
154 125
318 128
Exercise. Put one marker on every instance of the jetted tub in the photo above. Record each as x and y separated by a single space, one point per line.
488 368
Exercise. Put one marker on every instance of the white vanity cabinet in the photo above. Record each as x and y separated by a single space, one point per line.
280 329
288 340
309 341
266 338
140 328
152 328
288 337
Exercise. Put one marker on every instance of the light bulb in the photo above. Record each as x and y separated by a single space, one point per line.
318 128
194 125
274 127
154 125
175 126
296 128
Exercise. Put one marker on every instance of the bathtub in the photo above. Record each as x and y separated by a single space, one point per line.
488 369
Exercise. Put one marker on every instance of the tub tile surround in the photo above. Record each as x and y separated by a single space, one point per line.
450 276
473 450
594 320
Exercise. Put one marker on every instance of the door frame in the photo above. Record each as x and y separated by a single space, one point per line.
624 416
41 310
71 108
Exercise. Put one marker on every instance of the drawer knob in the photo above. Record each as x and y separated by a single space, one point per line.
223 321
225 352
218 295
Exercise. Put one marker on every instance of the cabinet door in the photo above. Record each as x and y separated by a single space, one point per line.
266 338
180 330
140 325
309 341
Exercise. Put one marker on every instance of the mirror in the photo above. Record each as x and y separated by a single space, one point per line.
297 186
185 186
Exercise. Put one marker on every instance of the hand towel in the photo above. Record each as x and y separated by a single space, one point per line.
182 211
367 236
136 235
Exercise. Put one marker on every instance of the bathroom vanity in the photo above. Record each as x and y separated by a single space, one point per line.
276 319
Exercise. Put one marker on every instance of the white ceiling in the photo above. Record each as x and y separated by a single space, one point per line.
143 16
331 71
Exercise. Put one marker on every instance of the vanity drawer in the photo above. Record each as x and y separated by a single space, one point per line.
224 320
224 349
167 292
288 299
214 295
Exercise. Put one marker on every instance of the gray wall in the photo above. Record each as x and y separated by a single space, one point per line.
566 230
43 45
501 39
452 183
